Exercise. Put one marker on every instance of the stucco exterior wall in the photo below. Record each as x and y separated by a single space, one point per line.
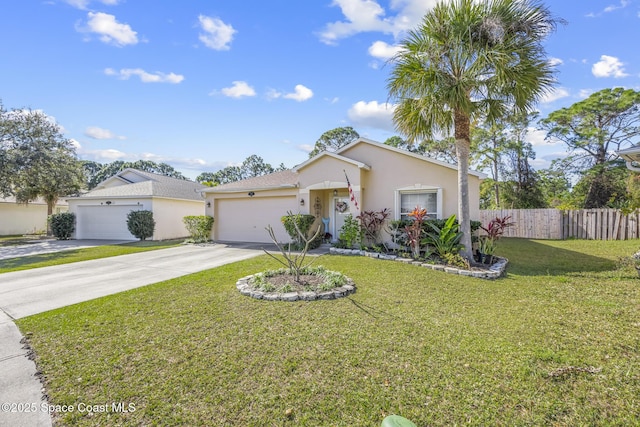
168 214
18 219
391 171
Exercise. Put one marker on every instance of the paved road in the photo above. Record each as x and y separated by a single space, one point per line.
23 293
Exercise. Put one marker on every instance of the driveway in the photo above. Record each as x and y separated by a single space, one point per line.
23 293
46 246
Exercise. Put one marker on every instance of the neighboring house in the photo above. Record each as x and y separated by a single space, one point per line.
20 218
381 176
102 212
631 156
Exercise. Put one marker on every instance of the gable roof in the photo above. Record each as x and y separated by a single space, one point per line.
334 156
151 185
281 179
405 153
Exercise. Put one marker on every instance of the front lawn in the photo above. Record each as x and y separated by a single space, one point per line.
85 254
556 342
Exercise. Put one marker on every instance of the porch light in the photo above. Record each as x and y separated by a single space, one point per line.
335 193
301 202
208 204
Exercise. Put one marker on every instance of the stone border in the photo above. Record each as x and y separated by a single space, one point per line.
496 270
243 286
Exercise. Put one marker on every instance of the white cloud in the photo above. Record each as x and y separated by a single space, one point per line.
555 61
383 51
537 138
217 35
608 66
302 93
554 95
612 7
109 30
99 133
372 115
238 90
368 15
145 77
306 148
83 4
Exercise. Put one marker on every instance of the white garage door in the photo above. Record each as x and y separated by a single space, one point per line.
245 220
104 222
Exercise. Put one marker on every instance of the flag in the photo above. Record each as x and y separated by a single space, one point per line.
352 195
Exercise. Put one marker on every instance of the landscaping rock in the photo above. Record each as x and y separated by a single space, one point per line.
289 296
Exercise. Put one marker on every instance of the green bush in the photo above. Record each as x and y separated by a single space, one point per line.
141 224
350 233
63 225
302 221
199 227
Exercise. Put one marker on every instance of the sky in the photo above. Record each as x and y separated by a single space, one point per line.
204 84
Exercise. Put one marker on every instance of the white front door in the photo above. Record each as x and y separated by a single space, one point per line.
341 209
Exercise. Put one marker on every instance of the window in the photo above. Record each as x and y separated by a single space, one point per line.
426 199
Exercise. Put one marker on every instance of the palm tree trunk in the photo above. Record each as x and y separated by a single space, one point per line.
463 143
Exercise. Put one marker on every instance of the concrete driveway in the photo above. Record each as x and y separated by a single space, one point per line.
24 293
46 246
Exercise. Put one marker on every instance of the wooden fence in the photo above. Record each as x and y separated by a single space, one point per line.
594 224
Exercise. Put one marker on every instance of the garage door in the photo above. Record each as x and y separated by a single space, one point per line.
104 222
245 220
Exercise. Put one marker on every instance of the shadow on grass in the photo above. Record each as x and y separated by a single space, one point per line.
552 258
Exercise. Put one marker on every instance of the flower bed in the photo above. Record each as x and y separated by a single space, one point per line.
280 285
493 271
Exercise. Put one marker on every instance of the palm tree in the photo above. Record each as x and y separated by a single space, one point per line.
468 61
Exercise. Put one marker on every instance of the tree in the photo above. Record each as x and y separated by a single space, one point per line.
334 139
469 60
251 167
110 169
555 187
490 141
593 129
38 161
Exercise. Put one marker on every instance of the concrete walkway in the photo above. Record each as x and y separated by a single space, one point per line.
24 293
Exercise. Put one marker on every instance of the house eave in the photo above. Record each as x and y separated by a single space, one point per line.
246 189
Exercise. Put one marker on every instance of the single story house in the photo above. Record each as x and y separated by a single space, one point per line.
102 212
379 176
20 218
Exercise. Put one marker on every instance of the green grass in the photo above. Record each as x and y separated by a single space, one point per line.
436 348
85 254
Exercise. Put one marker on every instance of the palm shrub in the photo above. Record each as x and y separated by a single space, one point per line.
63 225
445 239
141 224
199 227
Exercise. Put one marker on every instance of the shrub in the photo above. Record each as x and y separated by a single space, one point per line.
63 225
350 233
141 224
446 238
414 230
302 222
199 227
371 223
